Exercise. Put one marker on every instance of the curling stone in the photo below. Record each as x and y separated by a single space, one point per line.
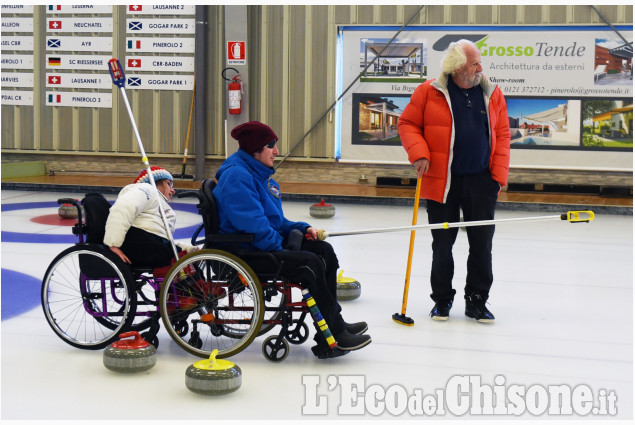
130 355
213 376
347 288
322 210
67 211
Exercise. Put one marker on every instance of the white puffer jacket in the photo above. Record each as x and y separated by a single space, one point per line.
137 205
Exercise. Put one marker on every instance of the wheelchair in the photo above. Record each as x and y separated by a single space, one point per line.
217 298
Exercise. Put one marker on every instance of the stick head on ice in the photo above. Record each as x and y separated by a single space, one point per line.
116 72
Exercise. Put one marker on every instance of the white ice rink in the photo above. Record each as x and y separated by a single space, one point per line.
562 297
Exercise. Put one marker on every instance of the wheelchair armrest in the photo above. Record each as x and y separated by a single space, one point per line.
190 194
230 237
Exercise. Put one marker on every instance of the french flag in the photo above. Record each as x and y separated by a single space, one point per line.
55 98
57 7
134 44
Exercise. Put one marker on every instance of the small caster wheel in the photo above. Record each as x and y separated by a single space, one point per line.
195 340
298 334
153 339
182 327
275 349
217 330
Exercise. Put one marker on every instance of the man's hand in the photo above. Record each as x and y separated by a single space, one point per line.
421 165
120 254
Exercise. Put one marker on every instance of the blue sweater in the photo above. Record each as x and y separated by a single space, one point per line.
248 200
471 152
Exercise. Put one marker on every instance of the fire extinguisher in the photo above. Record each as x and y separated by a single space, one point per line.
234 95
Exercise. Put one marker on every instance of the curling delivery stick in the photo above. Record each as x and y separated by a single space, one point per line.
402 319
571 216
119 79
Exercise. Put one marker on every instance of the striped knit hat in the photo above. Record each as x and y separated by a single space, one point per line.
158 173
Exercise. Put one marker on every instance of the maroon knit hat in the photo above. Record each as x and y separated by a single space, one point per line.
253 135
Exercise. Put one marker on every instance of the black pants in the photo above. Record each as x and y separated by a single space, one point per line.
145 249
476 195
315 267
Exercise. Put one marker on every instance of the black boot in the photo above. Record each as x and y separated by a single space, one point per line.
357 328
475 308
348 342
441 310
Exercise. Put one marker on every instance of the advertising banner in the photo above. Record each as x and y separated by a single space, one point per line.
566 87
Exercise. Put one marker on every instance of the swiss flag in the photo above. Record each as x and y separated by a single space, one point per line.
54 79
55 25
134 63
135 8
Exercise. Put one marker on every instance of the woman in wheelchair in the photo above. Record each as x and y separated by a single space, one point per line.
135 229
248 201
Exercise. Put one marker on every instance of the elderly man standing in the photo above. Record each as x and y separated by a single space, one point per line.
456 133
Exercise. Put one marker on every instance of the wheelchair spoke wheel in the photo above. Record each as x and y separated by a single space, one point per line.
86 296
211 299
275 349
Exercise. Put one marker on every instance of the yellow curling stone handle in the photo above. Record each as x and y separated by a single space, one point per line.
213 363
342 279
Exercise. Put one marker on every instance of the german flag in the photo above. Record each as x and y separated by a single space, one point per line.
55 61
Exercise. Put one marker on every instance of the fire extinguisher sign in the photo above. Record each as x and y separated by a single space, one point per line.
236 53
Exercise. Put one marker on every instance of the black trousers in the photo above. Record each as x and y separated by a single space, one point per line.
145 249
476 195
315 267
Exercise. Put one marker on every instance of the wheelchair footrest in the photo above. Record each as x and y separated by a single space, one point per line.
322 352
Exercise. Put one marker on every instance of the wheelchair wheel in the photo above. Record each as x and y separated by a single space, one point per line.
275 349
86 296
211 299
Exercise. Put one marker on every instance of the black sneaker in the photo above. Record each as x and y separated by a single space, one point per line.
357 328
475 308
441 310
348 342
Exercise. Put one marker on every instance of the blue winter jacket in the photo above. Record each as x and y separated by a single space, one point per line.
248 200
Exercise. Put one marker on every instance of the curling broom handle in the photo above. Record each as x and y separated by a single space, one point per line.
415 214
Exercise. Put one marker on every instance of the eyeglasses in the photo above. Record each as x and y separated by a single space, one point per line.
468 102
271 144
170 183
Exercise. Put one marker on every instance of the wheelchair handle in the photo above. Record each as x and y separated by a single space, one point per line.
79 228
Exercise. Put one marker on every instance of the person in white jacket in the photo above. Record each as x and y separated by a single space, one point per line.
135 229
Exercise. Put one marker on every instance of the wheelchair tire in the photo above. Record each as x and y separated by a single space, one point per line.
86 296
211 299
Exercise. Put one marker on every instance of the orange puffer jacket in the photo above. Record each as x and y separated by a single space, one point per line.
426 128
